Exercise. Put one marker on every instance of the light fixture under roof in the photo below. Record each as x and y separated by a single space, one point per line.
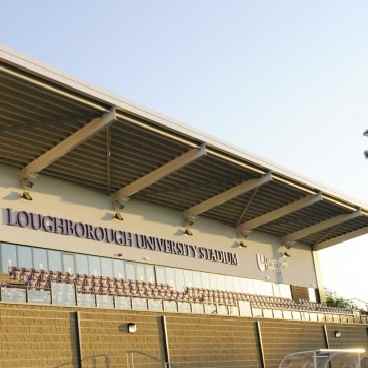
27 196
188 232
242 244
118 216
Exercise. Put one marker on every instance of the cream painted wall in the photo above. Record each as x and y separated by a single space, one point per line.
63 199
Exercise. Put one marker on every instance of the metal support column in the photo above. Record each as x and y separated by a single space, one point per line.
166 342
79 340
260 344
325 333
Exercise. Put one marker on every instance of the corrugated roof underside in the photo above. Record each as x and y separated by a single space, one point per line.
34 119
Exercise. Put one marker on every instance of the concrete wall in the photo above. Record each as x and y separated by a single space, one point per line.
205 341
106 343
281 338
351 337
62 199
37 337
44 336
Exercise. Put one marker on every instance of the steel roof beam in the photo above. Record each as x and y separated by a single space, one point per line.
248 226
67 145
155 175
98 101
219 199
339 239
323 225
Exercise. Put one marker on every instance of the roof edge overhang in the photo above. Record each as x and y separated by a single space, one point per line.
103 101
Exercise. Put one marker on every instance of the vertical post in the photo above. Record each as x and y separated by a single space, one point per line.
166 342
327 341
319 277
51 299
79 340
260 344
75 294
325 333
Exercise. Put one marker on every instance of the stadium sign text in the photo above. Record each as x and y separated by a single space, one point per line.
62 226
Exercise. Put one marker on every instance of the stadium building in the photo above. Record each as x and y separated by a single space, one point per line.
130 240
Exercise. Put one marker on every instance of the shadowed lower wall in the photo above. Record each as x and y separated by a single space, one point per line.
282 337
104 334
37 337
44 336
209 341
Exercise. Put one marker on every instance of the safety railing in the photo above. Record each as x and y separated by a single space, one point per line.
67 295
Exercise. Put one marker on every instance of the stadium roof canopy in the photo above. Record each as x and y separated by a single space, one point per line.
57 126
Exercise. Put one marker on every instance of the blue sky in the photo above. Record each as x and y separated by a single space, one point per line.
284 80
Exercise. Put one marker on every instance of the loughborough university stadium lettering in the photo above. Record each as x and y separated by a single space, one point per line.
62 226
